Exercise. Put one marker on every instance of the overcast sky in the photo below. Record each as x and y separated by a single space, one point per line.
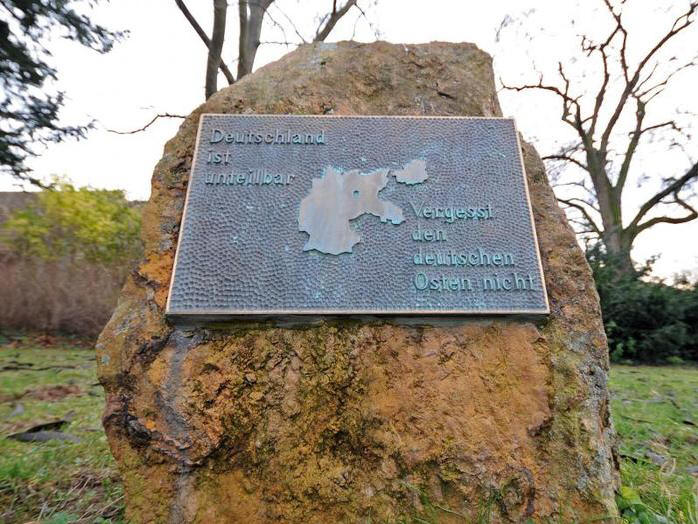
160 68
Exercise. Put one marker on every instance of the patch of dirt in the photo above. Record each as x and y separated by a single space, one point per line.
53 392
44 340
8 398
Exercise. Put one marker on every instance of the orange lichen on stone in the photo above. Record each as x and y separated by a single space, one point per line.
346 421
157 271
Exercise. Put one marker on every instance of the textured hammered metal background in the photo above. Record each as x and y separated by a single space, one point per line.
240 249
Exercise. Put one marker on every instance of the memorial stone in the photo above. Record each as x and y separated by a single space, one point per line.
224 406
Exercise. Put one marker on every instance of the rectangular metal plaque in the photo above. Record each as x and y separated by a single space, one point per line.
356 215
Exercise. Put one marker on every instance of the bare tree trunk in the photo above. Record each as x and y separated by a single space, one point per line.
251 18
214 51
641 82
618 245
616 239
204 38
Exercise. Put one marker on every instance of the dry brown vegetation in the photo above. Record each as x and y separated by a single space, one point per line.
57 296
64 255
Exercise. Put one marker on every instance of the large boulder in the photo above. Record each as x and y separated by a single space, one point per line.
372 421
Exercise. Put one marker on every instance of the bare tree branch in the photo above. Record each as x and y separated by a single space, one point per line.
660 85
692 215
567 158
150 123
601 49
583 227
362 14
637 83
672 189
290 22
681 23
330 20
252 13
207 42
591 205
279 42
572 202
590 193
632 146
279 26
669 123
620 28
567 100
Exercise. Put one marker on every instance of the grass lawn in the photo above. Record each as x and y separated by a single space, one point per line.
655 410
55 481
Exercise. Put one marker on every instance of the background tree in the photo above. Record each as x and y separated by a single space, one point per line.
77 224
251 17
613 122
29 112
646 319
64 256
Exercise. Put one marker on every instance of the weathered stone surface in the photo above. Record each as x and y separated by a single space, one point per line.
347 421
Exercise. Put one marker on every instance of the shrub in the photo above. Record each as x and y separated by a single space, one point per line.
58 296
646 319
65 258
98 226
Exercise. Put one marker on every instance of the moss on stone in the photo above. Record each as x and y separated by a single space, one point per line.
349 420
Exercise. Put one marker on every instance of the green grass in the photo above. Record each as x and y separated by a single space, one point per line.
56 481
654 409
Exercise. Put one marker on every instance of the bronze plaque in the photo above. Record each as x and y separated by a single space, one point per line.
382 215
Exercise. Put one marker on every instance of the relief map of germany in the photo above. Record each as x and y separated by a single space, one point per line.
339 197
293 215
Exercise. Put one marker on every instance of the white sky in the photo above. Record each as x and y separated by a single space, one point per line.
160 68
